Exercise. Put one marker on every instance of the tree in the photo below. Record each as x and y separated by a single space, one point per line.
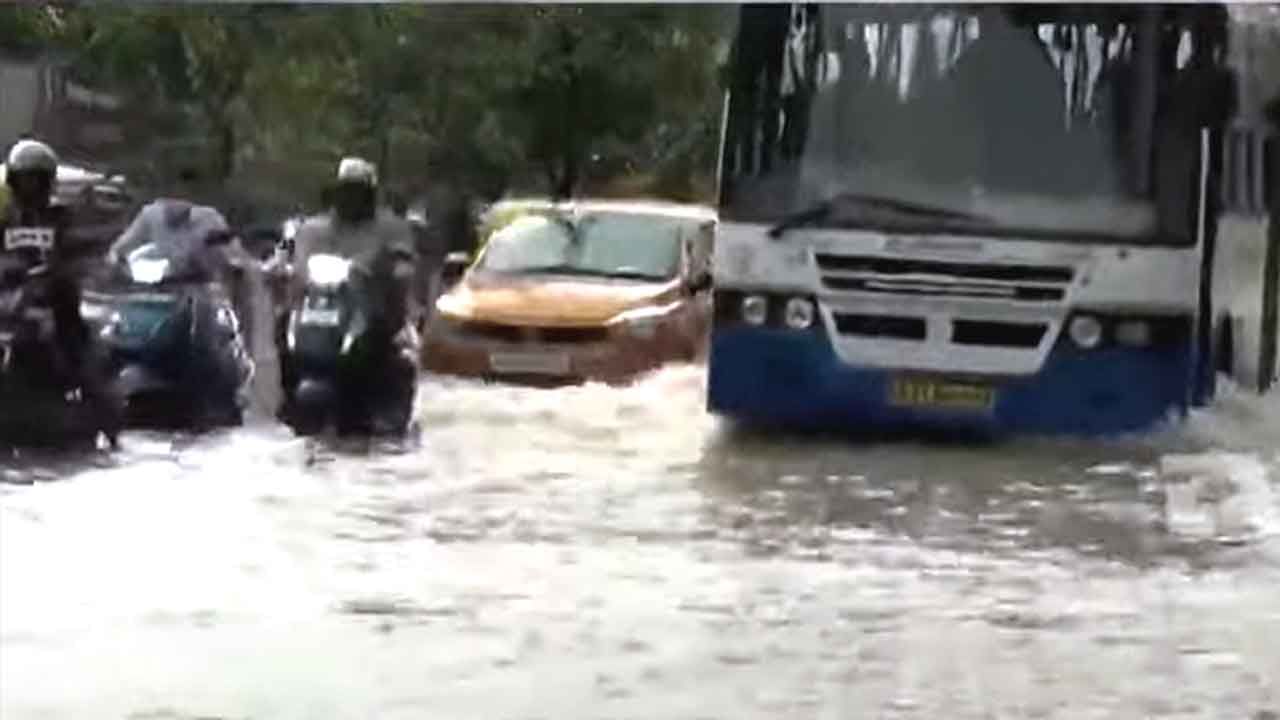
479 98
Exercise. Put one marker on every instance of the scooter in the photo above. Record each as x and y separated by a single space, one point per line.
352 371
175 343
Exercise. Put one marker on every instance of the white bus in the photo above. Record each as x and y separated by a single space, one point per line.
1020 218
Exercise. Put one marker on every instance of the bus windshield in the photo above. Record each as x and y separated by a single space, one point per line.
1020 121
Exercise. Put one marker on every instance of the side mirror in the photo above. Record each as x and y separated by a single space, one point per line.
698 282
455 264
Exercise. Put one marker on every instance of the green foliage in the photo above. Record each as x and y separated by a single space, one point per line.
541 98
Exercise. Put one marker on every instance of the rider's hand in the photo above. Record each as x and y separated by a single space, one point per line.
403 271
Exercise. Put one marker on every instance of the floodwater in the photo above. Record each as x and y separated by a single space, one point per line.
615 553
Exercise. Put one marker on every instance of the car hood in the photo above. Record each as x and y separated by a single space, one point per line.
552 302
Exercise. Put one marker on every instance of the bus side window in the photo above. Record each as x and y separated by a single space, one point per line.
1246 170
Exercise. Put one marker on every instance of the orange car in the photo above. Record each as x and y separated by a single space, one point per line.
587 290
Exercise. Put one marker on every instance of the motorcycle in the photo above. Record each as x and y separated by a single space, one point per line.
175 343
351 370
41 401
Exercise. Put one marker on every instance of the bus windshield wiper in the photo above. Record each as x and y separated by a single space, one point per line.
822 210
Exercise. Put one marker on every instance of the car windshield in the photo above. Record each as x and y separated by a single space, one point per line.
601 244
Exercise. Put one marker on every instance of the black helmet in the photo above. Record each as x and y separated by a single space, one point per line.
30 171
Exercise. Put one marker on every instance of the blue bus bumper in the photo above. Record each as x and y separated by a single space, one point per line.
781 378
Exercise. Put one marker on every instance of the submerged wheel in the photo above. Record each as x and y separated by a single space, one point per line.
306 427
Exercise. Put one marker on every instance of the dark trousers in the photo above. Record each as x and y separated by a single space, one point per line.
86 366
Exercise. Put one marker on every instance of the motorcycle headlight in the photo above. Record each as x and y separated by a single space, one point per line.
1086 331
148 271
91 311
327 269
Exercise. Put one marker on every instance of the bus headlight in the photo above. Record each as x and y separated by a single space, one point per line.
1086 331
799 313
755 309
1135 333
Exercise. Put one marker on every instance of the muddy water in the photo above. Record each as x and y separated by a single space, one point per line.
597 553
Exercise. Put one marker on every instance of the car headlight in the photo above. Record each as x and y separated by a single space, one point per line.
644 328
1086 331
755 309
799 313
1134 333
641 323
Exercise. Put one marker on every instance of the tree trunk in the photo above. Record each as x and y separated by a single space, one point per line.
384 153
569 177
225 134
554 179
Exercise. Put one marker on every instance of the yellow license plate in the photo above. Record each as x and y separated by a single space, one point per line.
920 392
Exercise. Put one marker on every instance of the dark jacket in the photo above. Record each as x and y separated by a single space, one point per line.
17 227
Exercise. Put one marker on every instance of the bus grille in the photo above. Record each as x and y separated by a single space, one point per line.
897 276
1002 334
985 333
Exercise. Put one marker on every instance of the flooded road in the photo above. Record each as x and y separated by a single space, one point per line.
597 553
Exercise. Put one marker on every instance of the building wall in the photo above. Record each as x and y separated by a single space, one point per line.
20 95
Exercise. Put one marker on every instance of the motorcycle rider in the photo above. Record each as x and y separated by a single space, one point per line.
372 238
31 171
430 256
182 229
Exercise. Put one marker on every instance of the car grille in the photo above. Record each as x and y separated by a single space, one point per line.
533 334
933 278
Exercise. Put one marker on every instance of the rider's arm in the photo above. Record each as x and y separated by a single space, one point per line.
135 236
402 250
403 245
303 243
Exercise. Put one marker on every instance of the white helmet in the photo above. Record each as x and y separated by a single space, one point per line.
357 170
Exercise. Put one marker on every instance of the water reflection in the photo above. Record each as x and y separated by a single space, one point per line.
644 561
1101 500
